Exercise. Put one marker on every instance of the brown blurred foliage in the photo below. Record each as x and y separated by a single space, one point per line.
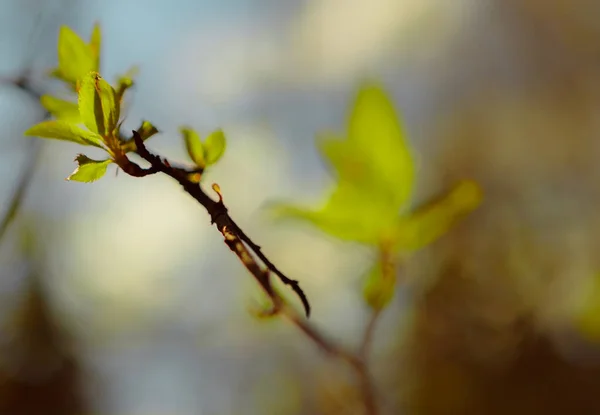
487 333
38 375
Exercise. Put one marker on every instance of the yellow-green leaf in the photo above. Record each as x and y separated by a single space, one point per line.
98 105
75 57
193 146
147 130
88 170
350 164
349 214
379 287
61 130
125 82
61 110
96 45
376 130
214 147
433 220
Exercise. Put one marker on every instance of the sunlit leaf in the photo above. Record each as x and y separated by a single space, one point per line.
96 46
125 82
147 130
88 170
61 130
350 164
62 110
75 57
193 146
350 214
375 129
98 106
375 175
433 220
379 287
214 147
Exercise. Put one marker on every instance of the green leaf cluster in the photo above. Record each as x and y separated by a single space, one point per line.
94 117
76 58
375 175
203 153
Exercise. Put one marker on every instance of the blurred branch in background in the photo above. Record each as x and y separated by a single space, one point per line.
29 167
38 372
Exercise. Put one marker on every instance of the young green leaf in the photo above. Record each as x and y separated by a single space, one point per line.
214 147
61 130
350 214
349 163
88 170
95 45
379 287
75 57
147 130
193 146
432 221
374 127
61 109
98 104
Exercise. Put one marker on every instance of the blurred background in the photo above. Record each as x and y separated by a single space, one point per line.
119 298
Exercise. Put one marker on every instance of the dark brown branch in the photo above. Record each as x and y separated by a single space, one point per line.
216 209
244 248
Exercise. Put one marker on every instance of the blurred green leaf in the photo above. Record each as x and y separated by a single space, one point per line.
379 287
347 160
349 214
61 110
75 57
433 220
61 130
376 131
125 82
98 105
374 172
96 45
88 170
194 146
214 147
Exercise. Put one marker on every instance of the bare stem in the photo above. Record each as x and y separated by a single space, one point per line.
28 170
245 249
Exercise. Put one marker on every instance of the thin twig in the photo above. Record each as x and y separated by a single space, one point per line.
359 365
244 247
217 210
28 170
387 262
367 339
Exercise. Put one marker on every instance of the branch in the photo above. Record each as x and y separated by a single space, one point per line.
234 236
244 248
388 264
22 83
